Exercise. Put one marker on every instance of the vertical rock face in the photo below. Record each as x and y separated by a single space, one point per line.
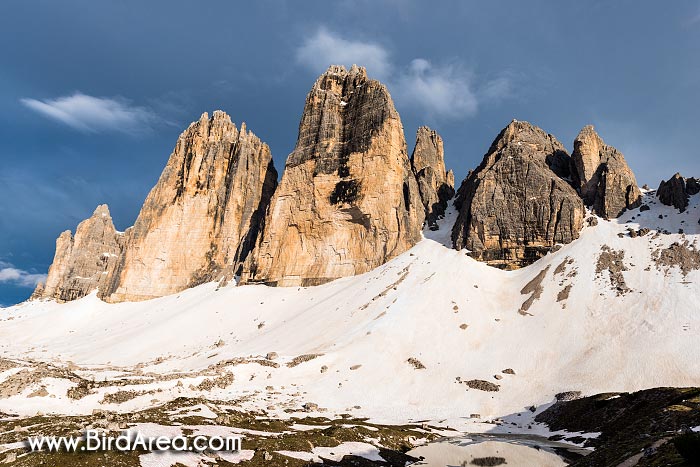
515 206
676 191
201 219
348 201
82 263
436 186
606 182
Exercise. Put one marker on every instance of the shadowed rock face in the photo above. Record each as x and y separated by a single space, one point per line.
515 206
83 262
436 186
676 191
201 219
605 180
348 201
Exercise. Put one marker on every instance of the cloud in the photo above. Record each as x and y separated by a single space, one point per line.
441 91
95 114
327 48
10 274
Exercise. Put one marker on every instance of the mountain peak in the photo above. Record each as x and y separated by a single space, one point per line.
602 175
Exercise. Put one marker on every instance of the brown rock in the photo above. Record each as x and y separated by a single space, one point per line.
605 180
348 201
435 184
677 190
201 219
82 263
514 207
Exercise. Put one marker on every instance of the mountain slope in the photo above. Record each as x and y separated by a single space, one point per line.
626 322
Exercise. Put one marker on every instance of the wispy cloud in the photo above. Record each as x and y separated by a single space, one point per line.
441 91
95 114
694 17
327 48
11 275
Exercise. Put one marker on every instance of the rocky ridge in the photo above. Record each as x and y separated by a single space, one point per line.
350 199
676 191
197 224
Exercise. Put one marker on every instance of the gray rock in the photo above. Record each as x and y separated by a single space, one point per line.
605 180
677 191
435 184
514 207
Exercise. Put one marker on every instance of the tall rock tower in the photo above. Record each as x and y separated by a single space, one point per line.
201 219
348 200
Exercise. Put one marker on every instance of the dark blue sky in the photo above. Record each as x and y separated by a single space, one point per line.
94 94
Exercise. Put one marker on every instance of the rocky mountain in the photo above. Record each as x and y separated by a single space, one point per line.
201 219
82 263
436 185
516 206
601 173
197 224
677 191
348 200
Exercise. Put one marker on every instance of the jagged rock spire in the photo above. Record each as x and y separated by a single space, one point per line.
348 200
201 219
83 262
435 184
605 180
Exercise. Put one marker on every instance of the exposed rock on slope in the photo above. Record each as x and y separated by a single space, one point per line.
435 184
514 207
81 264
201 219
676 190
606 182
348 200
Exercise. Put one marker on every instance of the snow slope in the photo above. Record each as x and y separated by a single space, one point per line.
366 328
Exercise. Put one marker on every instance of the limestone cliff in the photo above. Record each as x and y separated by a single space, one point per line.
600 171
348 200
201 219
83 262
515 206
435 184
